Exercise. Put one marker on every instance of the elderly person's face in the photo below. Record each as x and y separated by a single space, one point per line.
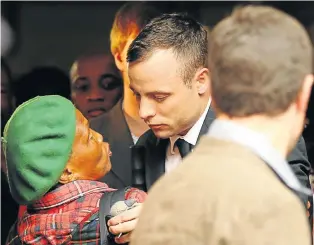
90 157
96 85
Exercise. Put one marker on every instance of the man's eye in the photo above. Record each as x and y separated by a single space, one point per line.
111 85
160 98
138 96
82 87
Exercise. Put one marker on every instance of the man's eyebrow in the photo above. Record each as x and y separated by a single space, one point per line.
77 78
159 92
109 75
151 93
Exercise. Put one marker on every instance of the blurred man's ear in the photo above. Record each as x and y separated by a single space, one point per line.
118 59
305 93
120 56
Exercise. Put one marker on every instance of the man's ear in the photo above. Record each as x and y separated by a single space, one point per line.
67 176
305 93
202 80
118 59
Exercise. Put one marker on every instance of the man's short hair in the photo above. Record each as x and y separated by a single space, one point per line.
129 21
258 57
186 37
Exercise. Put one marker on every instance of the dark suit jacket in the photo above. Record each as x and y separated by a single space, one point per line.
113 127
149 156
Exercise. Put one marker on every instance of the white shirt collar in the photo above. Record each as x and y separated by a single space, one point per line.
192 134
261 146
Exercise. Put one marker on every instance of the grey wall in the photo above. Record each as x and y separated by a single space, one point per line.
55 34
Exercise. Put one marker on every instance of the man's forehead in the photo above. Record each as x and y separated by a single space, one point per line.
157 59
95 59
155 84
96 63
162 63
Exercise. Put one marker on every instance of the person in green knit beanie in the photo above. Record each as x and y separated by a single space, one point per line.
53 162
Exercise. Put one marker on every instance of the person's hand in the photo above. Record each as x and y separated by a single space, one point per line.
124 223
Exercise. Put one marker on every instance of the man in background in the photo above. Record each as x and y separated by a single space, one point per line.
96 84
122 126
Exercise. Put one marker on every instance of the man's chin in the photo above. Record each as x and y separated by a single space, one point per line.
162 134
93 114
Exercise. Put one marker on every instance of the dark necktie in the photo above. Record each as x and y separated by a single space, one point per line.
183 146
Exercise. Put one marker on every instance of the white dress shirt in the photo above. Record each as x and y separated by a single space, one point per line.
173 157
134 138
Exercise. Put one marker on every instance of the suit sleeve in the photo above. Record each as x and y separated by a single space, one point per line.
301 166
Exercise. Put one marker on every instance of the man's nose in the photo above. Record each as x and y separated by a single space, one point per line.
147 109
95 94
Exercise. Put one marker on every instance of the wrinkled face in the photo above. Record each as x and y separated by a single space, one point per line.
96 85
90 158
167 104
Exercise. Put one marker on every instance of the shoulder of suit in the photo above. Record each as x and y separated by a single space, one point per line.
102 122
299 153
301 144
99 122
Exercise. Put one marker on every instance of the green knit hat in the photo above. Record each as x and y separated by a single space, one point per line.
37 144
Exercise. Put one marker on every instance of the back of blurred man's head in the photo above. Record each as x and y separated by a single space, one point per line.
261 61
261 55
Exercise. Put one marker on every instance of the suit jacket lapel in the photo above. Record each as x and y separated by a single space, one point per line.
155 160
121 141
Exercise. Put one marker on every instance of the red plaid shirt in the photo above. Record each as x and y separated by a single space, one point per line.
67 214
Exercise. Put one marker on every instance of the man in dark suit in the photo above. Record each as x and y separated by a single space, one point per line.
168 73
122 125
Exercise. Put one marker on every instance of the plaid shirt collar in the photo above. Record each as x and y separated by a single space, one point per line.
69 192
